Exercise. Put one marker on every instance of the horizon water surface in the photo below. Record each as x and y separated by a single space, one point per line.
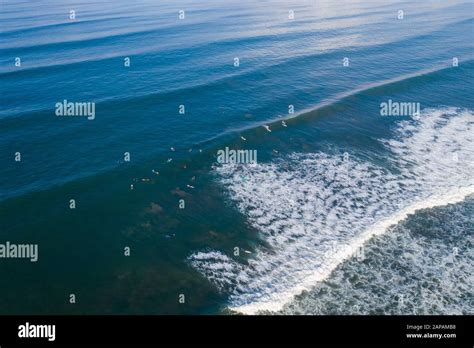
345 212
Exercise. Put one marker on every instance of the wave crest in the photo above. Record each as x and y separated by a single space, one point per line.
315 210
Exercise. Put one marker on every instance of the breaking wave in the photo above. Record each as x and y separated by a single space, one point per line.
315 210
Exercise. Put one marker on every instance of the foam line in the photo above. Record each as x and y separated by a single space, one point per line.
315 210
275 302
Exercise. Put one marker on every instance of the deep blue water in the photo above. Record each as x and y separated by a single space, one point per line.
300 202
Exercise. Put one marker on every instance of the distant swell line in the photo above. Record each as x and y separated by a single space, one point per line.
334 100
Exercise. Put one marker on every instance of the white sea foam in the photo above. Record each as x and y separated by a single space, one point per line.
410 269
316 210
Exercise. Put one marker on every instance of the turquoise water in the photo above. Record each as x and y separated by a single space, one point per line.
323 185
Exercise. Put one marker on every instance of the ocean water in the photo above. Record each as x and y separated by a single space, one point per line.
346 211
